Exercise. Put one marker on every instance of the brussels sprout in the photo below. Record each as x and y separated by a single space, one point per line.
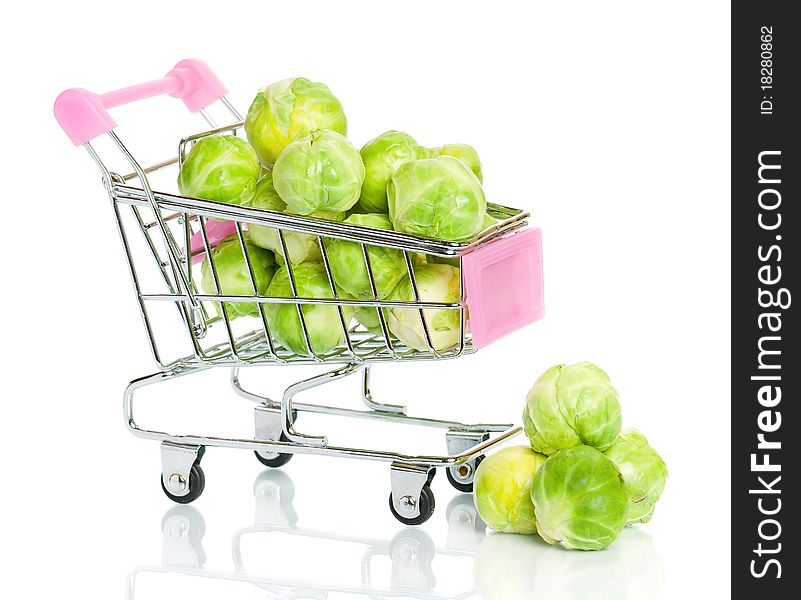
488 221
223 168
265 197
643 470
368 317
435 283
466 154
503 489
301 246
571 405
441 260
580 499
287 109
382 157
319 171
234 275
350 269
438 198
322 321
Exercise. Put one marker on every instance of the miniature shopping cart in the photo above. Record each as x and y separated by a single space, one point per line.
190 330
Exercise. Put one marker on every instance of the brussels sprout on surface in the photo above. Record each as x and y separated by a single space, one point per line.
579 499
382 157
437 198
234 275
463 152
301 246
571 405
503 489
319 171
435 283
288 109
350 268
222 168
644 473
322 321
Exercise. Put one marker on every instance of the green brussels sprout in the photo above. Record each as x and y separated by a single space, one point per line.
643 470
438 198
571 405
502 487
322 321
222 168
435 283
442 260
287 109
382 157
580 499
265 197
319 171
489 220
350 269
301 246
466 154
234 275
369 318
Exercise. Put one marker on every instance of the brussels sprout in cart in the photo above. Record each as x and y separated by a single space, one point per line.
212 294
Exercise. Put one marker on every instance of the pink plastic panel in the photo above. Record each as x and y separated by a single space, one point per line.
216 231
83 115
503 284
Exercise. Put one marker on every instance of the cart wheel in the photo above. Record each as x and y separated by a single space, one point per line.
279 460
426 508
197 483
462 476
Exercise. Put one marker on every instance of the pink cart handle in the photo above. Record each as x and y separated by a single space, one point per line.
83 115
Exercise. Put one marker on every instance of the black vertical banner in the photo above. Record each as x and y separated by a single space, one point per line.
766 362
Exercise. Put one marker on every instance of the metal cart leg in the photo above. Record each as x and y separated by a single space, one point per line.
367 397
182 479
288 419
411 499
268 427
458 441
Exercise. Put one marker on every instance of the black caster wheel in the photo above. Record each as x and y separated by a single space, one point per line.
197 483
279 460
426 508
464 475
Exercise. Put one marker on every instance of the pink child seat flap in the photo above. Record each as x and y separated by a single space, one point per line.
216 231
503 285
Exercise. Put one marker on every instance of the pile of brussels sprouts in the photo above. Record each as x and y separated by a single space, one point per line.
582 478
298 161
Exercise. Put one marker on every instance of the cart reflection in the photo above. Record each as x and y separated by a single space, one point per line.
281 560
264 553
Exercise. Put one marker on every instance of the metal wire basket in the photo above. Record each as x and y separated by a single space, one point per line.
165 235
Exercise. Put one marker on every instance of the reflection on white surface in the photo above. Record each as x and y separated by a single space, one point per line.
277 558
274 558
508 567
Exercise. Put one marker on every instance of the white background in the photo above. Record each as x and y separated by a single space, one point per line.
609 121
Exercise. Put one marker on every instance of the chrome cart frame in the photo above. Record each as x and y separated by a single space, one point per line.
173 232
